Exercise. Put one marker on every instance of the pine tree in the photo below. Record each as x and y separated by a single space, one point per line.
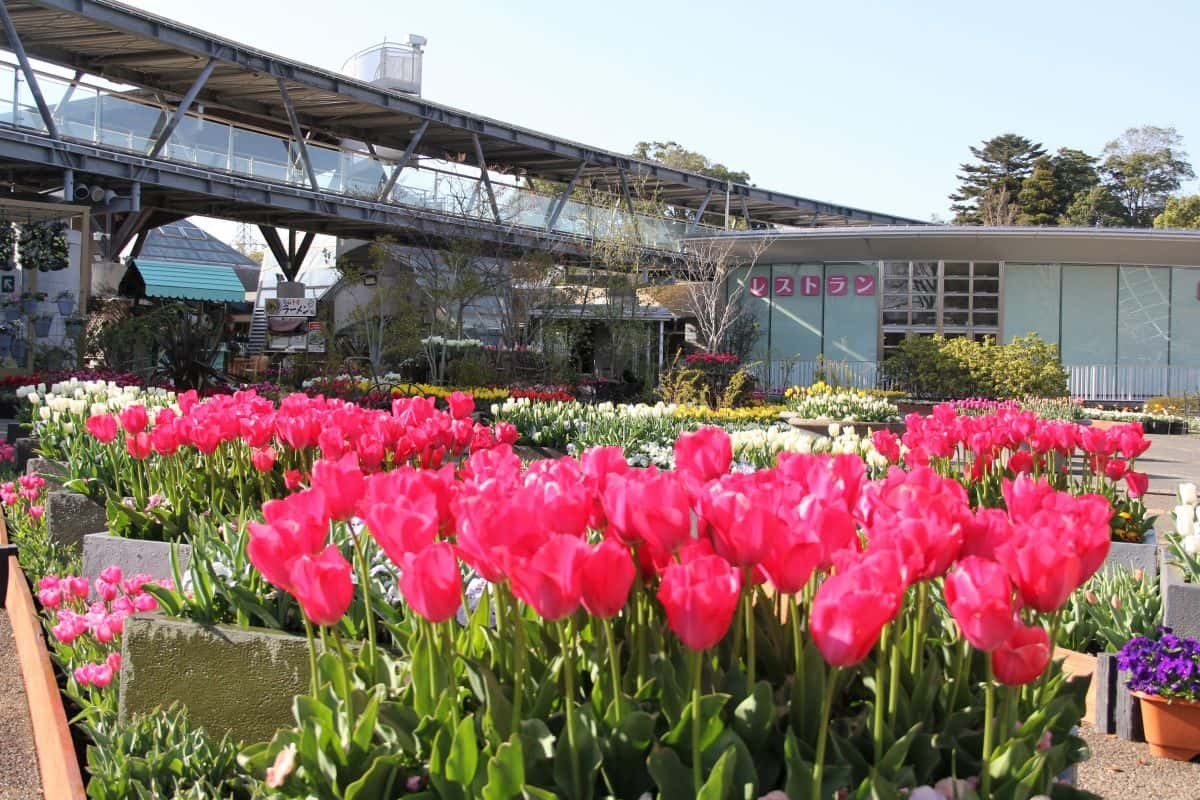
1005 162
1074 172
1039 198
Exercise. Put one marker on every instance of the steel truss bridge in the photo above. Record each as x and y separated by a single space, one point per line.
175 121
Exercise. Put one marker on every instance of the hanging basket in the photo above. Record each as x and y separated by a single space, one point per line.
12 313
66 306
8 247
41 327
73 326
43 246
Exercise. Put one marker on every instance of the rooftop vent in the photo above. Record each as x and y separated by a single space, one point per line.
390 65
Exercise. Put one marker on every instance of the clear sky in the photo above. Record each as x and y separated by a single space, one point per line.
870 104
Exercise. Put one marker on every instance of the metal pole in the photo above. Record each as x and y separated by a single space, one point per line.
408 151
14 42
182 109
556 209
297 134
483 174
661 349
68 185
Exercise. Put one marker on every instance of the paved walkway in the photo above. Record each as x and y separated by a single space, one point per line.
18 760
1170 461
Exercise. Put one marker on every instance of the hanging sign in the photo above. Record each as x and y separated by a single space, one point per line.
291 306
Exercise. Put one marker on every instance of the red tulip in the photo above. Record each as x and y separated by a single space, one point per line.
263 458
743 526
322 585
979 595
405 525
608 574
699 597
139 445
887 444
342 484
1020 462
1044 567
1136 483
431 582
102 426
292 478
551 581
1023 657
134 419
851 608
650 506
703 455
1116 469
165 438
461 405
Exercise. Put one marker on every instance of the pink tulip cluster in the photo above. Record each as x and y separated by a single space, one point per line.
414 430
1019 442
26 491
92 630
564 534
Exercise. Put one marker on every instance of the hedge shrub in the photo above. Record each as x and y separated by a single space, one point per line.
940 368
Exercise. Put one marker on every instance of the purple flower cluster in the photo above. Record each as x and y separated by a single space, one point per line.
1167 665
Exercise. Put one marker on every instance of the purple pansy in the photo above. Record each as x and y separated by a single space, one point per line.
1167 665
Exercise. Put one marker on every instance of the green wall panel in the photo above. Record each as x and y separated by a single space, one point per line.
759 307
1185 320
796 318
1143 315
1031 301
851 320
1089 314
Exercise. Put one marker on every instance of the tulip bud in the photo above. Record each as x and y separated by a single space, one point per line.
1187 494
1139 575
1092 598
1116 602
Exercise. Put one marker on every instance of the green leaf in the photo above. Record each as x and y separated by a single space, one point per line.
716 787
711 724
379 780
754 717
463 758
497 719
673 779
505 771
364 726
447 789
586 751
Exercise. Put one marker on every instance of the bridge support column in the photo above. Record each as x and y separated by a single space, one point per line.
291 257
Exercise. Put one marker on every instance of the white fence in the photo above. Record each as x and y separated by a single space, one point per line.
1109 383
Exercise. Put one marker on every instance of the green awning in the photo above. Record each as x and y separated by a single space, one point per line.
218 283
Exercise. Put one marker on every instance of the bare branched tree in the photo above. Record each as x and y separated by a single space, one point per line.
714 297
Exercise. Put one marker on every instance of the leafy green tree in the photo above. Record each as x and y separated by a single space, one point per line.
1180 212
1142 168
1039 197
1005 161
1074 172
676 156
1097 207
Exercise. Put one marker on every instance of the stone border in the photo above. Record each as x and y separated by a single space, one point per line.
1181 602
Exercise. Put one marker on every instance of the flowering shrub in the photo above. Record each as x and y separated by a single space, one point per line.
631 606
86 636
711 360
1165 665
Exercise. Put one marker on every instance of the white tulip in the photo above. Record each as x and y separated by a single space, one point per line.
1185 519
1191 544
44 412
834 429
1187 494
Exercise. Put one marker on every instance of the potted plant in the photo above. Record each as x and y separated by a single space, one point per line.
1164 674
43 246
8 247
66 302
74 326
41 325
30 301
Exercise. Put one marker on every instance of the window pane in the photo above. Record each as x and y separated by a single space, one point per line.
924 317
957 269
896 269
898 285
984 319
986 301
987 286
959 285
959 318
987 270
895 317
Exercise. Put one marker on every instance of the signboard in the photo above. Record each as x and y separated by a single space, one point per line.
836 285
810 285
291 307
8 284
759 285
315 340
864 285
785 285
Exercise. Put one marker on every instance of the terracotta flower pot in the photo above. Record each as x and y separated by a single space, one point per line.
1172 727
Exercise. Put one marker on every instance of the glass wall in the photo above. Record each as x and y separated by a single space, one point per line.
797 311
1143 315
1185 319
1089 314
1032 300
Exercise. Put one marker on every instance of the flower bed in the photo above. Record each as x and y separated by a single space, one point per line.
858 619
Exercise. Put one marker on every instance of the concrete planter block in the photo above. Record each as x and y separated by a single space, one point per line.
821 426
1129 716
1107 683
70 516
26 449
14 432
1133 556
54 472
236 680
1181 602
133 556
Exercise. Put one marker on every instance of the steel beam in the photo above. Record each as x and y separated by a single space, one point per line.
66 98
625 191
130 227
556 209
300 253
386 191
14 42
700 212
483 173
746 212
296 134
182 109
275 245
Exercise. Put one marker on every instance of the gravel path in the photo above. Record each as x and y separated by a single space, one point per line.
1120 769
18 760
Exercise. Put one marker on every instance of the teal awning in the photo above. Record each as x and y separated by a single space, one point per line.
217 283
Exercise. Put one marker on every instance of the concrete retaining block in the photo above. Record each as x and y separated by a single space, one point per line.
133 556
26 448
1181 602
70 516
54 472
1129 716
236 680
1106 681
1134 556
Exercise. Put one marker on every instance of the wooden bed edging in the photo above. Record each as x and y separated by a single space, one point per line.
57 763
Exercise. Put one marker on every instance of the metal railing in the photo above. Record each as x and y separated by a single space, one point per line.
1107 383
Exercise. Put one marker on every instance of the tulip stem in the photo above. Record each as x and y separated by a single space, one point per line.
797 638
518 625
822 733
748 610
365 573
614 665
989 710
1045 677
880 666
568 654
918 637
697 772
312 653
897 652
